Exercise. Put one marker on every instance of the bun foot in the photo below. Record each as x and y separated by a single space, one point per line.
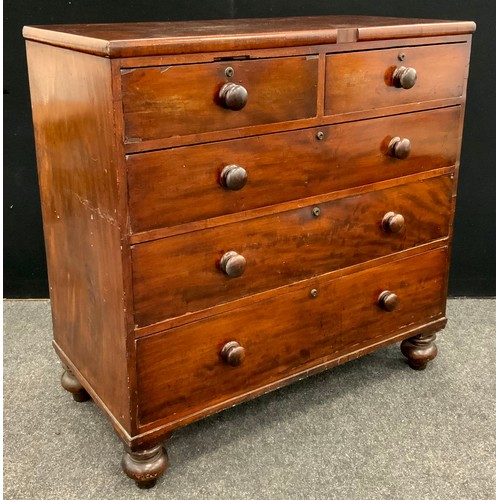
419 350
71 384
145 466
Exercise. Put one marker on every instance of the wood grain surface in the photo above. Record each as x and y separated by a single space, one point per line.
180 274
72 106
362 80
181 185
154 38
182 100
181 371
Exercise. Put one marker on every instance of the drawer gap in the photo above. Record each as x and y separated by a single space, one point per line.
393 47
232 58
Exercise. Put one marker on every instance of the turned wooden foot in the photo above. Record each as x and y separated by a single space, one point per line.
71 384
419 350
145 466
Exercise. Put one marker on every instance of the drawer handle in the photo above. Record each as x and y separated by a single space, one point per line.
399 148
393 222
233 96
404 77
233 264
388 301
233 177
233 354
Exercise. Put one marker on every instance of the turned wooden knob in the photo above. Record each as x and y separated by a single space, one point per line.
404 77
399 148
233 264
233 96
233 354
388 300
393 222
233 177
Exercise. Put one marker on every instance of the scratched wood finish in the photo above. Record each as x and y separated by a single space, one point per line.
73 121
182 100
181 371
156 38
362 80
283 167
180 274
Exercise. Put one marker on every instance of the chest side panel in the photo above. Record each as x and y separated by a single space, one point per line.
73 119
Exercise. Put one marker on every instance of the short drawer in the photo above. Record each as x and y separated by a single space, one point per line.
186 184
161 102
182 371
357 81
183 273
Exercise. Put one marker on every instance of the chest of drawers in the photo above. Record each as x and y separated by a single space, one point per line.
230 206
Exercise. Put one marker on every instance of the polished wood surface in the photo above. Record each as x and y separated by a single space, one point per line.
230 206
178 275
179 100
164 232
140 39
363 80
161 427
285 166
201 314
417 283
261 130
72 103
181 370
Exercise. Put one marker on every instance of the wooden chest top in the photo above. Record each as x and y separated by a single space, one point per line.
145 39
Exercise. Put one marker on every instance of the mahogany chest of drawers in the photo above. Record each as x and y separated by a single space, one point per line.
230 206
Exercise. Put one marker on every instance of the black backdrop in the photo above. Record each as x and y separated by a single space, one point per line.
473 256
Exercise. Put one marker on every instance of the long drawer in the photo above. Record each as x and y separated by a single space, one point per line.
357 81
184 273
161 102
186 184
181 370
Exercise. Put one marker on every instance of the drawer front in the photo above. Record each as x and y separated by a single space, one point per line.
357 81
181 274
162 102
181 371
184 184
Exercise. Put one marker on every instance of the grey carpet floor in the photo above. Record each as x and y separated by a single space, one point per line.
369 429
